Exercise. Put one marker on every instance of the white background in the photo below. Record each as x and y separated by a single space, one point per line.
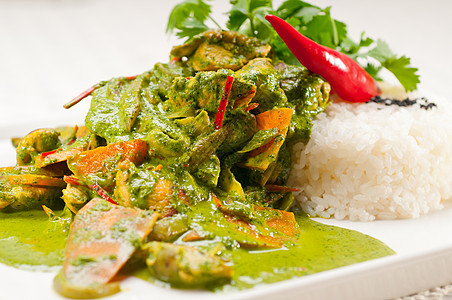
52 50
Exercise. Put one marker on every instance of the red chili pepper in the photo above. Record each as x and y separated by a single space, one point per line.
347 78
72 180
102 193
82 96
216 200
44 154
223 103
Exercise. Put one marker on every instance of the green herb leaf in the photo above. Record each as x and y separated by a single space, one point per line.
299 9
190 28
236 20
402 70
381 52
188 17
399 66
245 15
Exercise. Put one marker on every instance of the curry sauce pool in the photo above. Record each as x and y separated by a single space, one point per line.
321 247
31 238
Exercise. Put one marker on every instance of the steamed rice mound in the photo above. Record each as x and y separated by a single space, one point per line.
371 161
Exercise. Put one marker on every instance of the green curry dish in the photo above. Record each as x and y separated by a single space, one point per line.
153 151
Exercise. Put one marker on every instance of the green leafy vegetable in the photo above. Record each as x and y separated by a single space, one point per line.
189 17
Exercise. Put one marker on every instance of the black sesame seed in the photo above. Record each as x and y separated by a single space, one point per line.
422 102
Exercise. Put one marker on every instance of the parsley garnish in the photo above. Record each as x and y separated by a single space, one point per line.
190 17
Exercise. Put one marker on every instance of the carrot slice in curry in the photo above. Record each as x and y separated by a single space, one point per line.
101 164
263 156
36 180
275 230
102 238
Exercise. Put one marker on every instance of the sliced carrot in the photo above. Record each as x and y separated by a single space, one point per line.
31 179
284 222
92 161
275 118
192 236
102 162
263 156
276 229
102 238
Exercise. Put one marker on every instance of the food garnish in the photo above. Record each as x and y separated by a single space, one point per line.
347 78
223 103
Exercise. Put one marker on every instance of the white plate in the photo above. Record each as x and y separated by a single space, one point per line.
423 261
52 50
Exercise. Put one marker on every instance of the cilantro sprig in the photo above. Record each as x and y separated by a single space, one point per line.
191 17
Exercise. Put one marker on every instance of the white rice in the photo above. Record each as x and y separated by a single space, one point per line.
371 161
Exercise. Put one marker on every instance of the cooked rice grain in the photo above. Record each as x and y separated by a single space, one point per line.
371 161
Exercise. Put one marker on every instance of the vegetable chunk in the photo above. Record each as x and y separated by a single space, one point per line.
262 157
217 49
102 238
186 266
99 166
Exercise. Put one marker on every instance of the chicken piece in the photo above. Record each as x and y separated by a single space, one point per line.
262 73
167 229
76 196
185 266
218 49
26 197
37 141
144 188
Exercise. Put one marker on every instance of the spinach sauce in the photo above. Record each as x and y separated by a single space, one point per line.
31 238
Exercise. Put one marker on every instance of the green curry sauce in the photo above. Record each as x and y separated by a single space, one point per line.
31 238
